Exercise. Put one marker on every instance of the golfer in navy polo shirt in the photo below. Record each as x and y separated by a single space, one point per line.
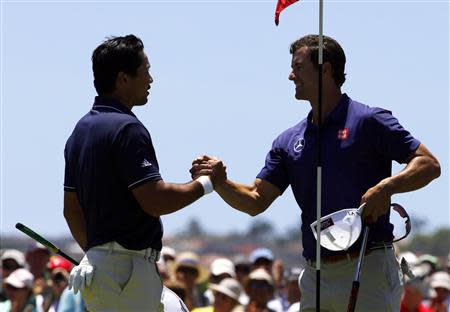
114 194
358 145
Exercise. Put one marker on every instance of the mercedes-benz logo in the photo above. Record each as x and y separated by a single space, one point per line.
299 144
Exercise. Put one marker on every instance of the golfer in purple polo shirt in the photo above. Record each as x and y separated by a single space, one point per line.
358 146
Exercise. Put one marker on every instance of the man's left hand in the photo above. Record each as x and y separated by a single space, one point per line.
378 201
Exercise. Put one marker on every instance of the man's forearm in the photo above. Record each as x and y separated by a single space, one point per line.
420 171
160 198
242 197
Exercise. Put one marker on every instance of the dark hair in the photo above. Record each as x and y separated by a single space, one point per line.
332 53
116 54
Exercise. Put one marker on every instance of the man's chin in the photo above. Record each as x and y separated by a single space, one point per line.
142 102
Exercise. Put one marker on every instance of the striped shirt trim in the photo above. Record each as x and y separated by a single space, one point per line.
153 176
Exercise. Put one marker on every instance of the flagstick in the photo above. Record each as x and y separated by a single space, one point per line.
319 158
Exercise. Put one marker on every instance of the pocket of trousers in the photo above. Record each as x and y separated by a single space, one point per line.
126 278
393 271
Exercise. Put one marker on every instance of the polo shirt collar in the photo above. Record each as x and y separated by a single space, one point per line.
110 103
336 115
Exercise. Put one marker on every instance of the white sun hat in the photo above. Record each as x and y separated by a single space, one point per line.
229 287
222 266
20 278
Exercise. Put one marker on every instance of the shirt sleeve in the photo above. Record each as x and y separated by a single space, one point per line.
135 156
391 139
69 181
274 170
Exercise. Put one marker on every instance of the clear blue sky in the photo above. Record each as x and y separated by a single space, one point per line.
221 88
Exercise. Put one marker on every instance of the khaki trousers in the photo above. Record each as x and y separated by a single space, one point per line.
380 284
122 282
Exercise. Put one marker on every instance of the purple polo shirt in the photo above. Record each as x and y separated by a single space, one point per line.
358 145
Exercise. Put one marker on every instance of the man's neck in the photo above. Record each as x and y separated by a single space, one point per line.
124 100
330 99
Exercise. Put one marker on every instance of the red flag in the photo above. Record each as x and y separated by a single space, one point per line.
281 5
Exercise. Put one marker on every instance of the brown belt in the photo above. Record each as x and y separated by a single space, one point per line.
346 256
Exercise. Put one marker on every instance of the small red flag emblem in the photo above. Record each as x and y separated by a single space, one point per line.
343 134
281 5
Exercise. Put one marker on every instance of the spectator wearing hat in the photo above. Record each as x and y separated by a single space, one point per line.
18 287
264 258
165 262
259 289
219 269
188 270
440 283
242 269
415 290
37 257
226 294
293 293
168 254
60 298
12 260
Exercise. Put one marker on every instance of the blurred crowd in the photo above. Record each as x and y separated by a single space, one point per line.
36 281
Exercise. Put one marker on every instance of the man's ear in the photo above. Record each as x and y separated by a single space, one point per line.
121 79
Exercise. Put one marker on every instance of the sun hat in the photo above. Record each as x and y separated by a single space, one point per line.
59 262
410 257
229 287
440 279
20 278
15 255
168 251
222 266
260 275
264 253
190 260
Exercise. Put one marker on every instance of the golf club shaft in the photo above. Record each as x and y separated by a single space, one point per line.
319 156
44 242
355 284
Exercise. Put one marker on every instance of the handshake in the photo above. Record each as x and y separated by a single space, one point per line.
209 171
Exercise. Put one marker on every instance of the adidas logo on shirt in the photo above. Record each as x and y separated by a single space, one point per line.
145 163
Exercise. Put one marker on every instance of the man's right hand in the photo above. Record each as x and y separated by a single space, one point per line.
211 166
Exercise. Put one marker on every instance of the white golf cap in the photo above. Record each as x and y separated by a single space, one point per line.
410 257
15 255
229 287
222 266
440 279
168 251
340 229
260 275
20 278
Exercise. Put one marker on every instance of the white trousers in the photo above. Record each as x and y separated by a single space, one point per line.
379 291
122 282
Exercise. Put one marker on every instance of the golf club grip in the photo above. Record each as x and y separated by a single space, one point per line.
36 237
353 297
44 242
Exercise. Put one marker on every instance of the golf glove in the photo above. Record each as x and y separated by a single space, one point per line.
81 276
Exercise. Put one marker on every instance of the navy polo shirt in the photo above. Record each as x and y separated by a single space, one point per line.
358 145
109 153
